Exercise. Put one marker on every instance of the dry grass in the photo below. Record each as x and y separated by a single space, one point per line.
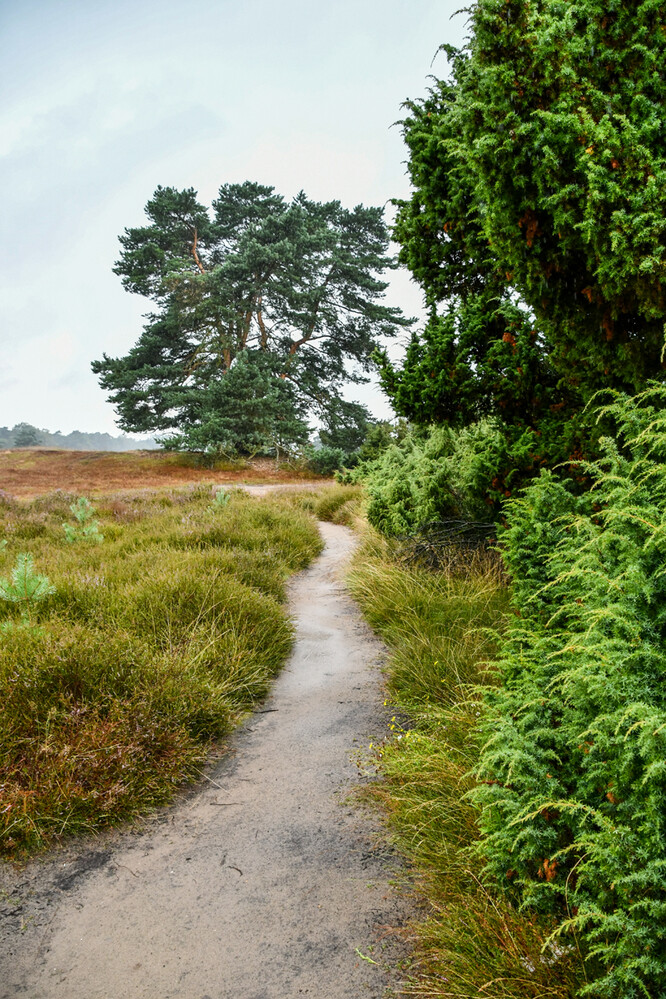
154 642
473 944
31 472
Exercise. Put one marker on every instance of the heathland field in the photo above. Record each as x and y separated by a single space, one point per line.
134 633
30 472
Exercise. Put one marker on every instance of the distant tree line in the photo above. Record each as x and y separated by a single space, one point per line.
25 435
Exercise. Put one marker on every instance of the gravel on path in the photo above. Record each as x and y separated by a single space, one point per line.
264 884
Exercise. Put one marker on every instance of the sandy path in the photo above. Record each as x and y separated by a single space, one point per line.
264 884
263 489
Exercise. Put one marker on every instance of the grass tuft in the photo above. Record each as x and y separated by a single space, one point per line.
153 643
441 629
337 504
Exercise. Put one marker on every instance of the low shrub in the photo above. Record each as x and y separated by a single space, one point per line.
326 460
572 777
437 474
444 472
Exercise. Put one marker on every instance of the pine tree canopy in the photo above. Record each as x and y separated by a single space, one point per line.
25 435
263 309
537 224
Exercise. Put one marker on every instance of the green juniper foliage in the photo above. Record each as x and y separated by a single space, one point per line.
561 115
442 472
537 226
573 770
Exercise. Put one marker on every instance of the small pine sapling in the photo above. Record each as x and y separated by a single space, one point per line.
86 527
220 499
25 587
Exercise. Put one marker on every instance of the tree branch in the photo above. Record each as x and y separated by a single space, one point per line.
195 254
262 324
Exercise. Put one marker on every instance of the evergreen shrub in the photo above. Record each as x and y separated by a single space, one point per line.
442 472
86 527
573 771
326 460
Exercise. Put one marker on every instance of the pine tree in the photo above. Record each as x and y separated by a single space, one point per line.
288 293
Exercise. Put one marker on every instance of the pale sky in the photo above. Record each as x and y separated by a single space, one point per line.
102 100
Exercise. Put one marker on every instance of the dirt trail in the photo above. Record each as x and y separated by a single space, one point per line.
263 885
264 488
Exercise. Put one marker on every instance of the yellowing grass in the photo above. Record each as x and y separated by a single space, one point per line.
153 644
439 628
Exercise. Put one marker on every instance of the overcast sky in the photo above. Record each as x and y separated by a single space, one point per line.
102 100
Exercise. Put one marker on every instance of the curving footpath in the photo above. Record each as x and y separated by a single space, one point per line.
264 884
